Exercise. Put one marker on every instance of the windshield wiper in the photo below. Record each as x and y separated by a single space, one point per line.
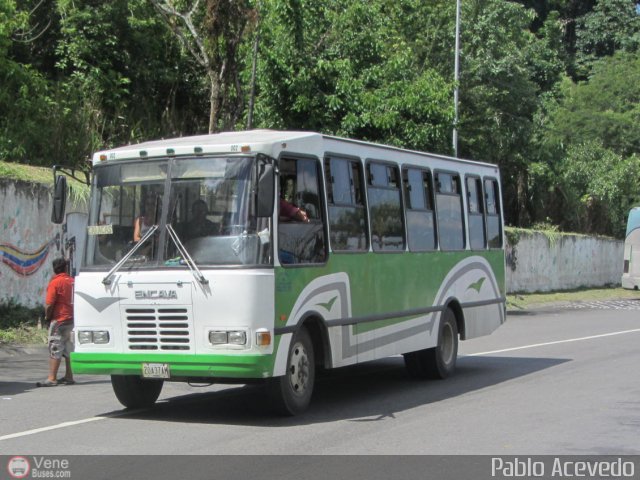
195 271
107 280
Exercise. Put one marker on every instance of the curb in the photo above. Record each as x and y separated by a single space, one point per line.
538 307
8 351
561 305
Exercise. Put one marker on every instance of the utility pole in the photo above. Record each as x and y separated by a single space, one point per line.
256 46
252 95
456 75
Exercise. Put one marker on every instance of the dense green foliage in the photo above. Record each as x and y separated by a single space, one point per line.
549 89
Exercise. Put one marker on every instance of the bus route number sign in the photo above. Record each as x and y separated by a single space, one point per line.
155 370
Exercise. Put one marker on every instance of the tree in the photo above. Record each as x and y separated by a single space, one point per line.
211 31
587 174
605 108
564 12
24 95
124 73
348 68
612 26
599 186
498 95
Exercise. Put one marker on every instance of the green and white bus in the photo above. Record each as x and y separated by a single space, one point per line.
399 252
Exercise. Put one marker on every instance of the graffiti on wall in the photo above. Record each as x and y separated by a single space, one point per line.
28 242
23 262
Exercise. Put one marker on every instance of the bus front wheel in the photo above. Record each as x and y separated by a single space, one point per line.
438 362
135 392
291 393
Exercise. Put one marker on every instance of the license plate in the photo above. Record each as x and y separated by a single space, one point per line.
155 370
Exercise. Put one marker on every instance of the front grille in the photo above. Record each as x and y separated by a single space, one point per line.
158 328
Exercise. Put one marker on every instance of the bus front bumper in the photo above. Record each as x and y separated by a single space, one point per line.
213 366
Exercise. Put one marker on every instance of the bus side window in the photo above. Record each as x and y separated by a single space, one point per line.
345 198
385 208
492 207
477 236
301 241
449 212
418 191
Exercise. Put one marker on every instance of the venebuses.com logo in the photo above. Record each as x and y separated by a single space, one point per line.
18 467
38 467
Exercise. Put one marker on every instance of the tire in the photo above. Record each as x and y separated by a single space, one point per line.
291 393
438 362
135 392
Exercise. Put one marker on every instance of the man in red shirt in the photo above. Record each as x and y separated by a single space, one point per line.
59 311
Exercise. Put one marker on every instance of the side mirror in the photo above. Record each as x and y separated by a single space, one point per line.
59 199
266 191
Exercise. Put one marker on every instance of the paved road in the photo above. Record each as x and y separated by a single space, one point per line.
555 382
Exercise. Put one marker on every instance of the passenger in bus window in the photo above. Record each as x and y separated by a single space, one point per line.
291 212
200 225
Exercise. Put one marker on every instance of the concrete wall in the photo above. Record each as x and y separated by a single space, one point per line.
29 241
536 263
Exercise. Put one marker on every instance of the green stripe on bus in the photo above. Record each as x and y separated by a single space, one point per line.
200 365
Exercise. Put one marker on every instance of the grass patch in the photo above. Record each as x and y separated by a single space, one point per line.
27 173
19 325
531 300
24 335
78 191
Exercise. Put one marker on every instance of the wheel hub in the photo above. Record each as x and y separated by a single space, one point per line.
299 369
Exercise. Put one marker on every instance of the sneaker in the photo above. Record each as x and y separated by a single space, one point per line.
47 383
65 381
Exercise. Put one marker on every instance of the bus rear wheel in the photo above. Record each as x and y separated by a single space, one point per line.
135 392
438 362
291 393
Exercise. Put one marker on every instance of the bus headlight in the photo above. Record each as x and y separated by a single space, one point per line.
100 337
218 337
238 338
228 337
84 336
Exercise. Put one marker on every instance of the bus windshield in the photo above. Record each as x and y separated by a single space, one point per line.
207 201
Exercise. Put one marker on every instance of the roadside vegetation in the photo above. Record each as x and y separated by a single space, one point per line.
78 191
23 335
22 325
548 89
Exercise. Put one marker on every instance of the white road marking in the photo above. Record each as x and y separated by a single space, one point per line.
52 427
569 340
66 424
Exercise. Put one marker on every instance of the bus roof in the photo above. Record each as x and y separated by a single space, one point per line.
264 141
